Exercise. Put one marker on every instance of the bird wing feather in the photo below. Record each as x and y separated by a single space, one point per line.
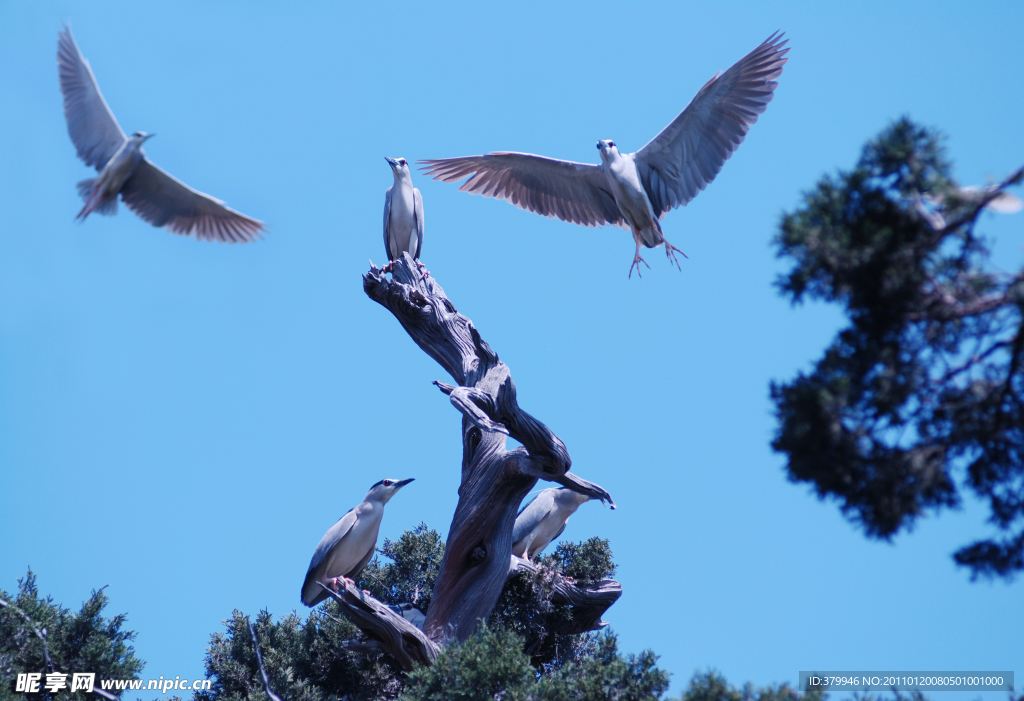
417 201
354 572
387 220
334 535
531 514
162 200
687 155
91 125
572 192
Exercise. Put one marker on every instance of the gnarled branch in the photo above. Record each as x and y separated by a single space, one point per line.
494 479
387 630
588 603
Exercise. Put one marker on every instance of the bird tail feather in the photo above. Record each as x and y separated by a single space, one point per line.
107 207
85 188
93 203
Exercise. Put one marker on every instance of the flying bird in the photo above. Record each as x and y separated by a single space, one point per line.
403 213
349 544
156 196
634 190
543 520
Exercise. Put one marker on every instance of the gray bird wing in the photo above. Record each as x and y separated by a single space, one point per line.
531 514
573 192
91 125
387 220
417 208
162 200
687 155
334 535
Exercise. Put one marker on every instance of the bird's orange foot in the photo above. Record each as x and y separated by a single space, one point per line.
671 251
637 260
339 583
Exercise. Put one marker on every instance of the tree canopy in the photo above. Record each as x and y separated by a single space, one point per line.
33 627
921 395
521 649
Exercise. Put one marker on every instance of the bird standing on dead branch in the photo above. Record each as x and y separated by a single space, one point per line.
156 196
349 544
634 190
403 214
543 520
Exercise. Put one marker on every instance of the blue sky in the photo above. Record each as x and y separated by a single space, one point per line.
182 421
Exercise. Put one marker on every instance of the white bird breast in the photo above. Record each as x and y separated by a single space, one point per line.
402 225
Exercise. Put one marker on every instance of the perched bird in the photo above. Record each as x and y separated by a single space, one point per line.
349 544
410 613
543 520
634 190
403 213
156 196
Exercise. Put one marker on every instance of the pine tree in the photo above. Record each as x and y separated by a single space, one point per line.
38 636
926 380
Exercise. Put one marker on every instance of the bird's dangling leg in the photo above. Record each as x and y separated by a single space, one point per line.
89 206
671 251
637 260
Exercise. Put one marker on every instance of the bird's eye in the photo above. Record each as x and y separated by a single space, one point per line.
611 144
402 162
387 483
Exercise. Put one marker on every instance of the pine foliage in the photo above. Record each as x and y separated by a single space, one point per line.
921 395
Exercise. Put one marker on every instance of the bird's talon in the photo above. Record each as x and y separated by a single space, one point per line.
670 252
637 260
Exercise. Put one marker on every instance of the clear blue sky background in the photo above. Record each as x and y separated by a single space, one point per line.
182 421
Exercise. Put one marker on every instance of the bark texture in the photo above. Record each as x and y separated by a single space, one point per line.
386 629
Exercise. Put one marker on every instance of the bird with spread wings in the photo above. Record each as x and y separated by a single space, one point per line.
153 194
634 190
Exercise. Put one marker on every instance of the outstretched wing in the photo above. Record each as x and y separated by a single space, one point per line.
687 155
573 192
91 125
162 200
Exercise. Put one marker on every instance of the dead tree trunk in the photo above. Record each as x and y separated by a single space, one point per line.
494 480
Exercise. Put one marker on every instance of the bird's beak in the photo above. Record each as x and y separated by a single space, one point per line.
148 137
399 485
391 161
